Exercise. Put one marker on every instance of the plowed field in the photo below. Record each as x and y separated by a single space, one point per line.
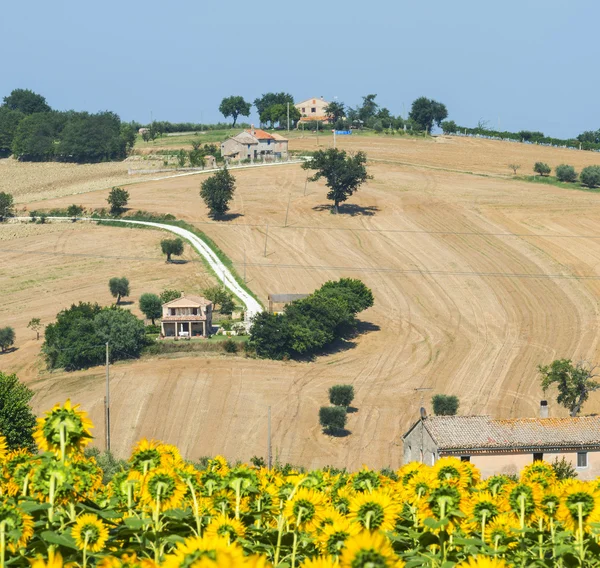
477 280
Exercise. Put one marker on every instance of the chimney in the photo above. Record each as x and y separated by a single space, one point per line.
423 413
252 131
182 293
322 98
544 409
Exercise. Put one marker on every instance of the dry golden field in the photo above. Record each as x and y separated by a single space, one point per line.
477 280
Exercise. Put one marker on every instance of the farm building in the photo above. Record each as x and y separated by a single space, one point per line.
188 316
506 446
312 109
255 144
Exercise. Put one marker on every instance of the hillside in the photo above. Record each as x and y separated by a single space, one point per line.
477 280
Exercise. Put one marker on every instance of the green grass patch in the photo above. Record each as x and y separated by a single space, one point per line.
215 344
551 180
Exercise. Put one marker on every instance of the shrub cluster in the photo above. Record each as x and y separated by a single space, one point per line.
333 418
77 340
308 325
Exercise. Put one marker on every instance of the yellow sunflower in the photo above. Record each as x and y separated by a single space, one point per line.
332 538
146 455
89 533
126 561
223 526
163 488
305 508
218 464
502 531
452 471
170 456
55 560
580 503
480 508
66 425
196 551
369 549
3 447
18 526
420 484
539 472
483 562
375 510
320 562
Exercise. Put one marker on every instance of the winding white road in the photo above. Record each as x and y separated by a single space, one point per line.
222 272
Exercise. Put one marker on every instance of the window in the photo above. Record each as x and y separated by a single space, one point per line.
465 458
582 459
303 109
171 311
538 457
195 311
313 110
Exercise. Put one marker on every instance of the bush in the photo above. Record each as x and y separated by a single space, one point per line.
590 176
332 419
341 395
563 469
7 338
566 173
541 168
152 329
117 199
230 346
445 405
17 420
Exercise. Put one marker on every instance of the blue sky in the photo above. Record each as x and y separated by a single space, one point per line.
529 64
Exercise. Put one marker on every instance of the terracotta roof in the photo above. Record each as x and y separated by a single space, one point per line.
188 302
278 137
285 298
168 319
457 432
260 134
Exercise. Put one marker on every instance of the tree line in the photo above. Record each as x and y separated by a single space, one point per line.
32 131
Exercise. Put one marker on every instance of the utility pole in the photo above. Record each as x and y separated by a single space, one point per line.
269 452
317 133
244 264
305 184
288 116
107 402
422 390
287 210
266 238
334 138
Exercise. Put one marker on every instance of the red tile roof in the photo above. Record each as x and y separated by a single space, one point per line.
260 134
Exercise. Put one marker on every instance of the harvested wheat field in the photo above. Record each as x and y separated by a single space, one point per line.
477 280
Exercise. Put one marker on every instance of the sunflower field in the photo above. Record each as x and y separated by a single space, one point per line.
161 511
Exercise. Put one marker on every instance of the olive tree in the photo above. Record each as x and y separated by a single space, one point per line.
118 287
566 173
445 405
7 338
117 199
151 306
6 205
171 247
341 395
542 168
332 419
590 176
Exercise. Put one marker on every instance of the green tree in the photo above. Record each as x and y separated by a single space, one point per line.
7 338
221 297
343 174
6 205
227 305
168 295
341 395
425 112
268 100
171 247
590 176
270 336
563 469
151 306
26 101
332 419
368 109
514 167
449 127
335 111
541 168
77 339
573 381
117 199
234 107
182 157
74 211
217 191
357 296
445 405
17 420
9 122
36 137
107 462
119 287
278 114
35 324
566 173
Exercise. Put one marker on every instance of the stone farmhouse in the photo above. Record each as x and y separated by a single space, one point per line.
188 316
506 446
255 144
313 109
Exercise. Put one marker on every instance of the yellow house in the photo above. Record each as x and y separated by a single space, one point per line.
313 109
506 446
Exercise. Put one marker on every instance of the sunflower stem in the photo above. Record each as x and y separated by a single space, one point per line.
280 522
25 486
522 511
85 544
2 543
238 498
196 514
483 519
580 529
63 442
295 544
51 497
